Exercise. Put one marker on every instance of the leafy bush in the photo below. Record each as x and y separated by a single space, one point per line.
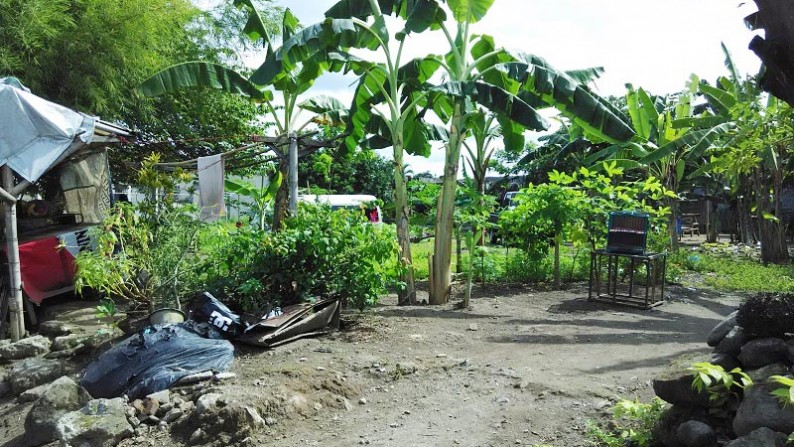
720 385
144 252
319 253
767 315
784 394
633 423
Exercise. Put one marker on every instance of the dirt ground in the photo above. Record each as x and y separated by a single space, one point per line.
520 367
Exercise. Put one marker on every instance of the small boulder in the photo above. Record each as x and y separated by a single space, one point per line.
54 328
721 330
674 384
33 372
759 409
762 437
762 352
27 347
732 343
102 422
32 394
696 434
58 398
761 374
727 362
207 403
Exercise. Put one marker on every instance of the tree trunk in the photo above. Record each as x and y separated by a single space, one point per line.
407 296
282 196
772 232
442 249
711 222
557 239
458 252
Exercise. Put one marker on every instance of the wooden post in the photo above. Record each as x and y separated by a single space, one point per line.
12 253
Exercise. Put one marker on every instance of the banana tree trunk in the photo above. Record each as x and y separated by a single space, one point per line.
442 249
772 232
406 296
282 196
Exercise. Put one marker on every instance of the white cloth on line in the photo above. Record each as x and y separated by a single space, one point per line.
211 179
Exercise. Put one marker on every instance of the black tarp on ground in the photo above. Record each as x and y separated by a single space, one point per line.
155 358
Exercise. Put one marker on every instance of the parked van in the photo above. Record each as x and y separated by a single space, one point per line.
350 201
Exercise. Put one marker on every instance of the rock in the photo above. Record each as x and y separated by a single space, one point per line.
92 341
149 406
406 368
732 343
57 398
674 385
164 408
102 422
696 434
163 397
761 409
763 373
362 401
5 388
173 415
269 421
71 352
30 373
762 352
721 330
151 420
54 328
27 347
727 362
252 417
762 437
474 327
197 437
33 394
207 402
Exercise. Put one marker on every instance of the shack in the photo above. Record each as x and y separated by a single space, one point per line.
55 181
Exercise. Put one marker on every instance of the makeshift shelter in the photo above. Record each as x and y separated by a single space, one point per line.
36 137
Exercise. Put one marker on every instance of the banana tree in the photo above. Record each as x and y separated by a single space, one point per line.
260 197
391 99
289 83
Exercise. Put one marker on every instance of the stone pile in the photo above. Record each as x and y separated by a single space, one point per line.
753 417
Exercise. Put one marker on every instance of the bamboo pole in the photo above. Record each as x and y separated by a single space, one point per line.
12 253
293 173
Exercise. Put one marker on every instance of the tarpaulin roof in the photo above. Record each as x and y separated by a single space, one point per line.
36 134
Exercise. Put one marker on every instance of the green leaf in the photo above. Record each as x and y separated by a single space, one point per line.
721 100
255 26
469 11
313 43
201 74
425 14
497 100
585 75
329 110
699 122
594 114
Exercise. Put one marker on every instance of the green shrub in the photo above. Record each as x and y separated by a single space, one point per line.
319 253
767 315
633 424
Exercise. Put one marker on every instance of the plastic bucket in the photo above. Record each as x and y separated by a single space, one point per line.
166 316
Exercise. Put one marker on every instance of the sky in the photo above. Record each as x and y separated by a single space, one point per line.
654 44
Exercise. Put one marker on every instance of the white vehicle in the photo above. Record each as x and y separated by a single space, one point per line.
509 200
349 201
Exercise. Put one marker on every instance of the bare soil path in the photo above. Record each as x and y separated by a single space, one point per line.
518 368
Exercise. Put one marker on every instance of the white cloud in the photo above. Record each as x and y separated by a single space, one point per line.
652 44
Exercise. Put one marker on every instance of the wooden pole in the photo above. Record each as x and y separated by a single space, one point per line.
12 253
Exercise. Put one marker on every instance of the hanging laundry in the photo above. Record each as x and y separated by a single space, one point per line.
211 178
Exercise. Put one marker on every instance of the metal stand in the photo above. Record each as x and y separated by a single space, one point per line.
621 284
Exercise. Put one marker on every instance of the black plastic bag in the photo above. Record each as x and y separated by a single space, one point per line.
155 358
205 308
